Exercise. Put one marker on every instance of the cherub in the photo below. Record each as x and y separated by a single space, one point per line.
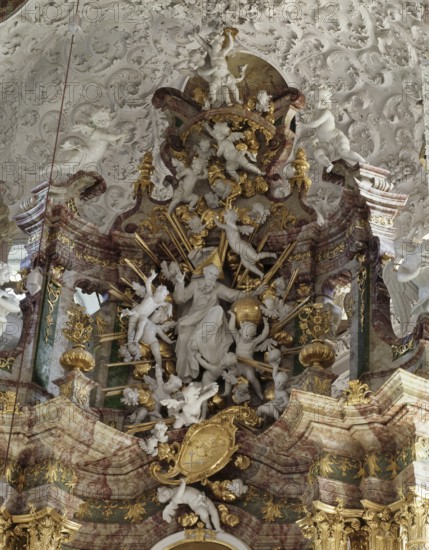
139 314
98 141
150 445
234 158
281 397
143 402
330 143
153 329
189 411
240 386
188 176
163 390
8 302
222 83
248 255
246 344
199 503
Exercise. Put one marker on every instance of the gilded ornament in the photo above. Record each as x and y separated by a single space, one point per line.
247 309
53 290
226 517
136 512
357 393
206 448
241 462
300 180
78 330
317 354
314 322
146 169
8 402
141 369
200 533
6 363
271 511
188 520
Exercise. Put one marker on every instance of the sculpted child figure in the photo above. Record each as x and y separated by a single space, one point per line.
234 158
275 407
196 500
139 314
246 344
248 255
213 372
8 302
330 143
188 176
222 84
189 411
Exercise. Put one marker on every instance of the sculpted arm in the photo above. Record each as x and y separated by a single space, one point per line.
183 294
264 333
318 121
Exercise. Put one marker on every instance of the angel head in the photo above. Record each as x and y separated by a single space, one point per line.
221 130
173 384
230 216
5 273
101 118
229 360
247 330
191 392
263 99
159 430
131 397
281 380
164 494
197 164
221 188
160 294
275 357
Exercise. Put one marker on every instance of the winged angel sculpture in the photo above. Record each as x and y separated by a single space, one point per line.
408 285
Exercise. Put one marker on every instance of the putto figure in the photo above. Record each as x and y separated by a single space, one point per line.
275 407
330 143
189 410
222 83
248 255
197 501
234 158
139 314
188 176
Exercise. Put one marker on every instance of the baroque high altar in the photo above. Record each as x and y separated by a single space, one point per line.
242 382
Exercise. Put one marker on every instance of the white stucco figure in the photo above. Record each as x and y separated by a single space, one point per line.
248 255
8 302
159 435
329 142
237 487
246 344
139 314
202 327
275 407
263 101
188 176
155 328
222 83
73 157
158 390
188 410
199 503
234 158
409 285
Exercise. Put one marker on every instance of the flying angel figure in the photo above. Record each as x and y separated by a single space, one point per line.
408 286
189 411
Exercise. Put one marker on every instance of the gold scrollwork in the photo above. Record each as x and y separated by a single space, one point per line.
53 293
206 448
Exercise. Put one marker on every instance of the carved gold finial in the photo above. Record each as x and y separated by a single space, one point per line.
315 325
7 401
357 393
317 354
79 331
300 180
146 170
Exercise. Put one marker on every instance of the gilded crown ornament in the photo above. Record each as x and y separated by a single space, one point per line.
78 330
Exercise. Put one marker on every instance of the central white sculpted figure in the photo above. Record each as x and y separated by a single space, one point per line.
202 328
